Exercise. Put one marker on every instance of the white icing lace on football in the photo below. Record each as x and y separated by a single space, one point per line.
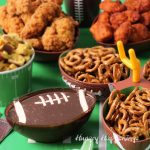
51 100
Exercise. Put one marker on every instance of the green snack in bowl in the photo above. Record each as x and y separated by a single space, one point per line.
16 57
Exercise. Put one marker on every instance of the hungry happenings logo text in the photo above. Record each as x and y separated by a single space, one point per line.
102 138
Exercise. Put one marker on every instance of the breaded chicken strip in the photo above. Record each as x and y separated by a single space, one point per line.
22 6
112 6
138 5
34 5
123 32
15 24
25 17
11 7
3 18
60 35
139 33
36 43
43 15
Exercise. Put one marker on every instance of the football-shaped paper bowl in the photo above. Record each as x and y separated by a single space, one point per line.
120 141
101 90
50 115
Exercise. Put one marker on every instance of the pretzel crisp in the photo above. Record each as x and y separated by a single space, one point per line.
101 64
130 116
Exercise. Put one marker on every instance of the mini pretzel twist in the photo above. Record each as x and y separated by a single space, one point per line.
86 78
83 65
108 59
65 66
72 60
104 74
143 97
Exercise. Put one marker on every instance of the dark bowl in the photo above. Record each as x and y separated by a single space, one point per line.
99 89
137 46
123 143
52 122
44 56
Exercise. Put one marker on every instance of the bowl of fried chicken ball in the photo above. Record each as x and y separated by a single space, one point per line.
128 22
42 24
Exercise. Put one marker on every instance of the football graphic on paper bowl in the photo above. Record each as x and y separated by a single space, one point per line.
50 115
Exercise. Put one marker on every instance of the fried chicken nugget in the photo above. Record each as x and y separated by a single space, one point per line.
45 13
112 6
123 32
145 18
102 32
101 29
104 17
133 16
118 18
60 35
139 33
138 5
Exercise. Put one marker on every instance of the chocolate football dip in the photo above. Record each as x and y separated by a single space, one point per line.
42 114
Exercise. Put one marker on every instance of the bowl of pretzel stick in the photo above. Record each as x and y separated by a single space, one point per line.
94 69
126 118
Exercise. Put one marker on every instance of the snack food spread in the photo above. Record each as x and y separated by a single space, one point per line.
94 65
14 52
129 116
128 21
41 22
